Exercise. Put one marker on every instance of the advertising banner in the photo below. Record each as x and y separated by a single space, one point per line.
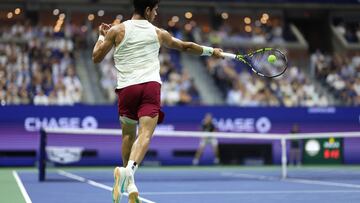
20 125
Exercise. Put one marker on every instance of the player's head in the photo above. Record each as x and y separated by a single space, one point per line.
208 118
146 8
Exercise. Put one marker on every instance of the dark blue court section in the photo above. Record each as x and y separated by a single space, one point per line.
194 185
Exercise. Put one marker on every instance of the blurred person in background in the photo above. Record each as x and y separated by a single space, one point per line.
73 84
295 147
207 126
40 98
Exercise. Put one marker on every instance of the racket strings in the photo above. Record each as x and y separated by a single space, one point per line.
259 61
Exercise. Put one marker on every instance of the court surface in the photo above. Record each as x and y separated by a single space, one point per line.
198 184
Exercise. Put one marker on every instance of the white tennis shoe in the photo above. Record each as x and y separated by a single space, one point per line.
132 189
120 183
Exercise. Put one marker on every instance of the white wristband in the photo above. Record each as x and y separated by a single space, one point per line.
207 51
101 38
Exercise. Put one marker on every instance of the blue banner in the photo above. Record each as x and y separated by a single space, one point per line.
19 127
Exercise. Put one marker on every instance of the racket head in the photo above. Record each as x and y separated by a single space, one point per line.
259 62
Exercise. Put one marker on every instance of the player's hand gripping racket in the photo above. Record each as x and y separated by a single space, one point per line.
265 62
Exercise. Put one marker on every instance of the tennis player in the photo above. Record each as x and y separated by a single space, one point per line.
207 126
137 43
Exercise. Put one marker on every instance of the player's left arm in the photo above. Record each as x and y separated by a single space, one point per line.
190 47
105 42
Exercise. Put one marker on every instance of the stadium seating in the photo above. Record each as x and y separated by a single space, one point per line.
340 74
350 30
37 66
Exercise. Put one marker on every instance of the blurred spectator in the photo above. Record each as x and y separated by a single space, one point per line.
349 29
295 147
177 89
73 85
235 96
41 99
63 96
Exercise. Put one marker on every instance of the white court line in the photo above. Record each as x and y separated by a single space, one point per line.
326 183
293 180
95 184
243 175
22 188
251 192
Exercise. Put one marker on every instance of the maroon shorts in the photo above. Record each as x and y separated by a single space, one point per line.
140 100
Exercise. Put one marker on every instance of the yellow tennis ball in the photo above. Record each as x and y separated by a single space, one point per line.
271 58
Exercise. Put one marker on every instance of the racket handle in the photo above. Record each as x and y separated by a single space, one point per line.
228 55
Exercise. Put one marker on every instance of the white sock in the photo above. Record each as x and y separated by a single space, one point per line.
132 166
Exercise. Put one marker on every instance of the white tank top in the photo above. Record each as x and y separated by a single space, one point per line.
137 56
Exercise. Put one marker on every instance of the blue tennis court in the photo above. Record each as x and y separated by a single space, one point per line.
200 184
216 101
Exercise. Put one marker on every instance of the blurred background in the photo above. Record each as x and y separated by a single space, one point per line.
47 78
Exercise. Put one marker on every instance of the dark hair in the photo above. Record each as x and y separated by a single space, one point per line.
141 5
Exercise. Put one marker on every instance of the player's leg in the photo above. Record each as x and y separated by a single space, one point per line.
128 138
199 151
292 157
127 107
149 114
215 146
147 126
298 157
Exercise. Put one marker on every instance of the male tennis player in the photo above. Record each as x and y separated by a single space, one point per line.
137 43
207 126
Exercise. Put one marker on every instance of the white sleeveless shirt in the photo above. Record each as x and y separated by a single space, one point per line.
137 56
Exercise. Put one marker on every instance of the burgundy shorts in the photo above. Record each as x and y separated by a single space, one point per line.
140 100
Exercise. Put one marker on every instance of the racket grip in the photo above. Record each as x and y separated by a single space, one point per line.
228 55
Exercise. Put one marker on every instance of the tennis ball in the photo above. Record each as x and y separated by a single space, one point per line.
271 58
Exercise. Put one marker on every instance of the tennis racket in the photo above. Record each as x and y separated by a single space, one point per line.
265 62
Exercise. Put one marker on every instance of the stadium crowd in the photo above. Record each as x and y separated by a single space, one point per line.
340 73
37 66
178 87
349 30
239 86
260 33
255 31
242 88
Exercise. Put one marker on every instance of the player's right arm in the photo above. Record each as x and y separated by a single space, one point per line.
189 47
109 36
